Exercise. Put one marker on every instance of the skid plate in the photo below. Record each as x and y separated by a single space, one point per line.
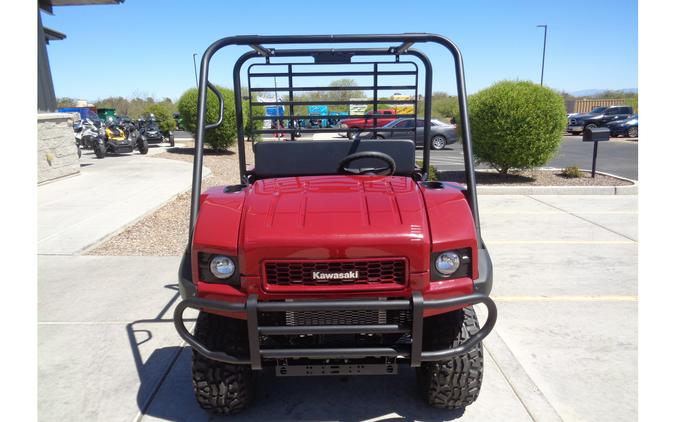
339 369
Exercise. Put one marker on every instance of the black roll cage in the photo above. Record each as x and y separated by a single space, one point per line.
328 56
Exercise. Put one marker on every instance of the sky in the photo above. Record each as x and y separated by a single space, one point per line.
145 47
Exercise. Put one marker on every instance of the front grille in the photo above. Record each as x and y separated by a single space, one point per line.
319 273
343 317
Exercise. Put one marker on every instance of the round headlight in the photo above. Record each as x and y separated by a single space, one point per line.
447 263
221 266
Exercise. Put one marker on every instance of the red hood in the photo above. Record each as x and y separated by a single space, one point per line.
334 217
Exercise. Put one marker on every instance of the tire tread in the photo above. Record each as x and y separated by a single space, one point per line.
219 387
454 383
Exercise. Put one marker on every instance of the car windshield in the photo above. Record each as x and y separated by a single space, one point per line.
393 123
599 109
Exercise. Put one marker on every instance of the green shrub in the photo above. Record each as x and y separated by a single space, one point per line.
516 125
571 172
433 171
221 137
446 107
164 116
257 124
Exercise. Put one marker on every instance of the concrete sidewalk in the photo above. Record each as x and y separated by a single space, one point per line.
565 344
109 194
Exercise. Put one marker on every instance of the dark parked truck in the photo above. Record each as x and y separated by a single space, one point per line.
597 117
334 257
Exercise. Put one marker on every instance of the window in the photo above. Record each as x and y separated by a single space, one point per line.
420 123
405 124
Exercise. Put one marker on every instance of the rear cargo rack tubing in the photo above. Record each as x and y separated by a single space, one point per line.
428 77
291 109
407 38
375 99
251 122
466 130
236 83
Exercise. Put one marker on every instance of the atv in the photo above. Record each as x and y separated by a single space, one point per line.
88 136
151 133
334 257
121 137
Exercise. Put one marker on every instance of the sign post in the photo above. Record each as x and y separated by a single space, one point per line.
595 135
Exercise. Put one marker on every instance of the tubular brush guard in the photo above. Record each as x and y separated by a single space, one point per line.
416 304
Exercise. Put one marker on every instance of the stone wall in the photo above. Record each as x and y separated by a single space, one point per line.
57 152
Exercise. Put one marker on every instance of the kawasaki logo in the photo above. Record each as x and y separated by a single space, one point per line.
318 275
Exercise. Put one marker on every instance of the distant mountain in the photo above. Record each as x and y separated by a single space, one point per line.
592 92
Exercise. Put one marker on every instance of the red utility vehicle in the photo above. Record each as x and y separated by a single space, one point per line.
334 257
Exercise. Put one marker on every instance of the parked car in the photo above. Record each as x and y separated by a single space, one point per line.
598 117
442 134
351 126
627 127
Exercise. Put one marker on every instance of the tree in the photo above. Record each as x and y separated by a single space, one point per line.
65 102
164 116
221 137
516 124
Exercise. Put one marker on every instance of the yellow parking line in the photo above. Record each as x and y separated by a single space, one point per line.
558 212
606 298
560 242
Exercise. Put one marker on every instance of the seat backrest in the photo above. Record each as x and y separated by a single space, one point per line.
314 158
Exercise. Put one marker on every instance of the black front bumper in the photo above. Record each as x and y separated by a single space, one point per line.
120 147
416 305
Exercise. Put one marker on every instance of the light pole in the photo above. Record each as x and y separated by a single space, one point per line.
543 56
194 62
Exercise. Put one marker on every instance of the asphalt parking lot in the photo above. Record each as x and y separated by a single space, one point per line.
565 344
619 156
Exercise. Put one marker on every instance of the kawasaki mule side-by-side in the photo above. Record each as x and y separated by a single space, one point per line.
334 256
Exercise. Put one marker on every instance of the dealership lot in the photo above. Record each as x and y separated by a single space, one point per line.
565 344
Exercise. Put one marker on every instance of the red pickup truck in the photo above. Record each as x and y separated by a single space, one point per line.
367 122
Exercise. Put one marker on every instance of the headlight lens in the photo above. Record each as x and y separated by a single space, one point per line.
221 267
448 263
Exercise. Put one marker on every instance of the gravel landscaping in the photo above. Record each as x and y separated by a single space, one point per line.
165 231
534 178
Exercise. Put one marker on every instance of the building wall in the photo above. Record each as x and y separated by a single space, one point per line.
46 96
584 106
57 151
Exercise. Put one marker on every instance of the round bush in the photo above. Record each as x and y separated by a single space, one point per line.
221 137
164 117
516 125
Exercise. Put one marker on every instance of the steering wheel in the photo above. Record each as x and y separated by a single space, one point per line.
387 170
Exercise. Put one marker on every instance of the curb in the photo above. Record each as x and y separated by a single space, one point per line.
563 190
528 393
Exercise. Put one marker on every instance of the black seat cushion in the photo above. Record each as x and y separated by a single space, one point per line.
313 158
